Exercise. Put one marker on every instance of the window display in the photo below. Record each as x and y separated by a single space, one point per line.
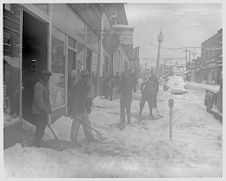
95 73
57 80
81 56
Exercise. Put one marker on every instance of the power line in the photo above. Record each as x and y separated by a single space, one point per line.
179 48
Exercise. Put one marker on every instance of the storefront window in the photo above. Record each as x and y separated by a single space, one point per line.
57 80
11 85
59 15
81 56
95 73
92 40
11 63
43 7
74 24
71 42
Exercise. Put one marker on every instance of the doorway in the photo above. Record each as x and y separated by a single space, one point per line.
34 59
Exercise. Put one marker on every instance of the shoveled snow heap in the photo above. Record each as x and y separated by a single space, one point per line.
139 150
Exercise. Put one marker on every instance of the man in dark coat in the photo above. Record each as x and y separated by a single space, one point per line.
41 107
81 105
149 90
125 90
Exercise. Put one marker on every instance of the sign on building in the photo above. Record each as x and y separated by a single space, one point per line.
126 33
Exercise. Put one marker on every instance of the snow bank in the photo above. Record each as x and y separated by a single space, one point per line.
139 150
204 86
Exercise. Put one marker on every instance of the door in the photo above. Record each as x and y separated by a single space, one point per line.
34 59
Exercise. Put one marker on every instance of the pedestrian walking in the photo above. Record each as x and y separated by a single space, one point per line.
149 90
81 107
125 91
41 107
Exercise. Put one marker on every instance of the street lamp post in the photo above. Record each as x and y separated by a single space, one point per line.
160 38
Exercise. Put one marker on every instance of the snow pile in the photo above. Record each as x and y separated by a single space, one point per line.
139 150
10 120
204 86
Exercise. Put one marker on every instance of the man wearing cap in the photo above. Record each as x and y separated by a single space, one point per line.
41 107
80 108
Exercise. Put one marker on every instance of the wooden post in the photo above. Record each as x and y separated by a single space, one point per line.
171 104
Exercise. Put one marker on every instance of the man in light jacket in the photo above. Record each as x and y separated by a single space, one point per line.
41 107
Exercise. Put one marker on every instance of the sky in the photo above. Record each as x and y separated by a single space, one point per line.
182 24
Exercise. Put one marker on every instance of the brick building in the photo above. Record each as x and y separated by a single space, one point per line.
211 59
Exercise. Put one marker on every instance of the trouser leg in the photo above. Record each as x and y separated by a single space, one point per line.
75 129
122 111
128 107
150 104
155 100
142 103
40 128
87 130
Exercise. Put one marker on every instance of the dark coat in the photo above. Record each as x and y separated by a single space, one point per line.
126 86
79 97
150 87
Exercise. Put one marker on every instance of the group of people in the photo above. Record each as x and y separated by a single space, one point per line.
81 102
111 83
80 106
149 89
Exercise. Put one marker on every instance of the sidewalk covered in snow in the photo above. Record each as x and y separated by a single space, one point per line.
139 150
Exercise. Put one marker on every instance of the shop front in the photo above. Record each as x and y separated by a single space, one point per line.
53 37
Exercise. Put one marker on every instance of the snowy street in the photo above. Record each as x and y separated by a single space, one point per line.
139 150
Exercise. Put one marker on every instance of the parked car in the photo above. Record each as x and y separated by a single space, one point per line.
213 101
175 85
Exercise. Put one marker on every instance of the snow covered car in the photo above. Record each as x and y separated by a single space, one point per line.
175 85
213 102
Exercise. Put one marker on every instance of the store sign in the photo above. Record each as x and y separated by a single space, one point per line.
111 41
126 33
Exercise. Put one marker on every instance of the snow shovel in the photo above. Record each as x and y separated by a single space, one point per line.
159 115
58 141
101 136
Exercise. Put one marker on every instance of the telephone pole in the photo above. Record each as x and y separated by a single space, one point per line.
186 58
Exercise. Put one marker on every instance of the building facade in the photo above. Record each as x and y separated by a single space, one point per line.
59 37
211 59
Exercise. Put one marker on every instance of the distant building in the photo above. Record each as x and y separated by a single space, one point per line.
194 70
211 59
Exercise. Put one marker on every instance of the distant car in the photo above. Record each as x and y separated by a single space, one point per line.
175 85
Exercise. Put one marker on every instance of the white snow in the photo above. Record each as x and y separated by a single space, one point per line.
215 88
10 120
139 150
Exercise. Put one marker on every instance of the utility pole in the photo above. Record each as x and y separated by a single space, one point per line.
164 67
186 58
189 57
160 38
